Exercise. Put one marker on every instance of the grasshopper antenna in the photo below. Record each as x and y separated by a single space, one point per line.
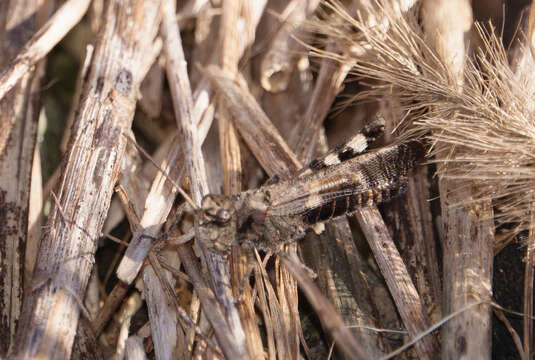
178 187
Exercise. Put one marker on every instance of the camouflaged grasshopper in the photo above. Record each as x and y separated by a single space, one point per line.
334 185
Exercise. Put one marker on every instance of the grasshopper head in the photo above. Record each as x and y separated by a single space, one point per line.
217 223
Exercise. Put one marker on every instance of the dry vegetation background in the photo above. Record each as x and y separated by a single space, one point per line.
96 241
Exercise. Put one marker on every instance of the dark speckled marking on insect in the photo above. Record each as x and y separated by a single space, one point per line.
384 178
355 146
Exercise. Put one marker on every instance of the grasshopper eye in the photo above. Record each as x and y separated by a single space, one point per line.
217 209
222 216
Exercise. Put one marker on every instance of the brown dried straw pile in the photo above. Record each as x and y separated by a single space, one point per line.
98 252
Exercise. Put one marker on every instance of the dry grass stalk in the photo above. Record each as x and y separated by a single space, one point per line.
113 300
177 74
18 134
68 246
163 312
228 138
34 216
156 207
42 42
331 253
123 319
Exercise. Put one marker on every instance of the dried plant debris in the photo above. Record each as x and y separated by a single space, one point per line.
217 276
488 127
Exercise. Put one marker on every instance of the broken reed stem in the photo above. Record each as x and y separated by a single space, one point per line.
91 168
228 138
20 219
177 74
55 29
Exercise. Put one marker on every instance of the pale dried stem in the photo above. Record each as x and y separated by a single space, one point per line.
162 311
247 114
114 299
157 206
409 219
176 67
123 320
331 253
42 42
20 219
34 216
467 257
228 139
92 165
279 60
328 84
134 349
